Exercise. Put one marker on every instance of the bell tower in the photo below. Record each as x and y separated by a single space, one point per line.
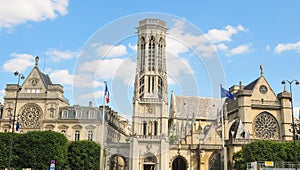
150 101
150 115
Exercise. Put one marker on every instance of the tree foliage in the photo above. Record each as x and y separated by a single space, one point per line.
84 155
264 151
34 150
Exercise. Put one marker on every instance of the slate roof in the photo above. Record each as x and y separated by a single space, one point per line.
46 79
251 85
202 108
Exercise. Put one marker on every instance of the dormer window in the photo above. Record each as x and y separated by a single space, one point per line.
92 114
65 114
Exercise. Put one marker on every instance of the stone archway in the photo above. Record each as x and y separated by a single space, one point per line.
150 162
117 162
215 161
179 163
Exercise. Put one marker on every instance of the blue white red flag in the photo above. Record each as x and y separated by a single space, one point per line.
106 94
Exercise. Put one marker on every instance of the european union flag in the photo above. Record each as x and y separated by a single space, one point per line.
226 93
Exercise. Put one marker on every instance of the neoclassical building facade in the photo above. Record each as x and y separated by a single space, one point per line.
167 131
38 104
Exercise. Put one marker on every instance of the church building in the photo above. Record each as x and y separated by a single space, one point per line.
167 131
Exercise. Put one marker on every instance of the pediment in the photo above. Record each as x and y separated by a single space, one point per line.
49 126
263 90
90 127
63 127
77 127
34 80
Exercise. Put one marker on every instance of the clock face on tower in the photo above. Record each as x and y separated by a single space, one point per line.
263 89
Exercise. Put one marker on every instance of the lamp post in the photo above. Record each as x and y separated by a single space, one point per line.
20 76
293 121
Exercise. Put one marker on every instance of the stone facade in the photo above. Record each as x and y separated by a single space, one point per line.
41 105
183 133
193 138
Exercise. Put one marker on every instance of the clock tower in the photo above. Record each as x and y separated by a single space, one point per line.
149 144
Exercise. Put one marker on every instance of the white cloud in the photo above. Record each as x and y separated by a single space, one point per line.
61 77
132 47
110 50
241 49
175 46
287 47
56 55
177 65
82 80
111 68
19 62
268 47
14 12
205 44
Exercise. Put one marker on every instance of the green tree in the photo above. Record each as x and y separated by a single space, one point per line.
278 152
38 148
84 155
5 147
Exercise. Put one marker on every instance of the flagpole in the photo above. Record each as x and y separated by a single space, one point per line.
223 133
102 165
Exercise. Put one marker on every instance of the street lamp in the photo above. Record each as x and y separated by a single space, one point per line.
293 121
20 76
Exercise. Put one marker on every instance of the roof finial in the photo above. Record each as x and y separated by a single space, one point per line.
261 70
36 60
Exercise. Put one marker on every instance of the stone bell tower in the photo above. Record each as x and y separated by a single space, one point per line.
150 102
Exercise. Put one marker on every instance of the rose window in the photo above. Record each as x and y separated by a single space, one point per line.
266 126
30 116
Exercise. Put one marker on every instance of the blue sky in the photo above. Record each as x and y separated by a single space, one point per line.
83 43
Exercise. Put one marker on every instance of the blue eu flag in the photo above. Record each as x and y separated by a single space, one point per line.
226 93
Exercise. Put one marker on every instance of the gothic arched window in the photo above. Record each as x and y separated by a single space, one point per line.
160 53
266 126
143 48
151 54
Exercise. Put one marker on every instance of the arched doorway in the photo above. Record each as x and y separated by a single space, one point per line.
117 162
149 162
179 163
215 161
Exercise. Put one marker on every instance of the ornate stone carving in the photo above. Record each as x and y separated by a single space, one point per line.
30 116
266 126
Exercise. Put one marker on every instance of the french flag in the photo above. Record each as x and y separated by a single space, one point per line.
106 94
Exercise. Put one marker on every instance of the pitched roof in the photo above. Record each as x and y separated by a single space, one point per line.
45 78
251 85
202 108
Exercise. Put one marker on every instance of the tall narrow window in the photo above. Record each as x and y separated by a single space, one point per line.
149 83
151 54
143 48
144 128
153 82
160 52
159 86
90 135
65 115
155 127
77 135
